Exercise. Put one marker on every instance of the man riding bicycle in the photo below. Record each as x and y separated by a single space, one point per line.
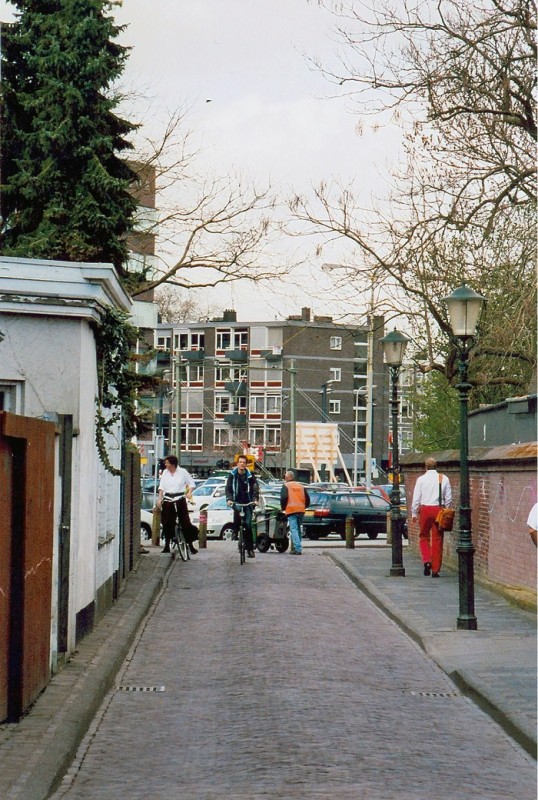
174 489
242 487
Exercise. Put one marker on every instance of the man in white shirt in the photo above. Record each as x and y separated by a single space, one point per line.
532 523
175 487
429 488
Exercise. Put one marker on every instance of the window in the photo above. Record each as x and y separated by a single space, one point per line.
194 436
334 406
265 436
191 436
336 374
11 397
407 410
194 373
225 373
227 339
191 340
224 339
240 339
222 404
335 342
164 342
241 405
222 437
265 404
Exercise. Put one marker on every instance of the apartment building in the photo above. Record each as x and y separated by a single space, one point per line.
230 385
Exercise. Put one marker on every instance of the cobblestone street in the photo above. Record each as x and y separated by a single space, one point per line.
282 680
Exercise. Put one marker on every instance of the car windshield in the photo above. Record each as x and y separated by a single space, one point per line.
204 491
218 505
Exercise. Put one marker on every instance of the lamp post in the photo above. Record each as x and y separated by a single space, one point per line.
464 307
394 345
325 390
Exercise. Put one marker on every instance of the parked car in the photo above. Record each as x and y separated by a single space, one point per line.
213 480
328 511
146 521
204 494
219 518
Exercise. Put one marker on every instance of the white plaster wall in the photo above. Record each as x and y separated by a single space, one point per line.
108 525
44 353
55 360
85 485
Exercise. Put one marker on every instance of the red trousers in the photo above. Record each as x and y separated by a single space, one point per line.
430 538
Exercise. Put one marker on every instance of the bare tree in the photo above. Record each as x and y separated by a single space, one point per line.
210 230
462 208
465 73
180 305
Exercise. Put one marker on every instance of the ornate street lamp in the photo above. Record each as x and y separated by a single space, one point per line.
394 345
464 307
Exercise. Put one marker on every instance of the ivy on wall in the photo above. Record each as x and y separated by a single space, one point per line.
117 381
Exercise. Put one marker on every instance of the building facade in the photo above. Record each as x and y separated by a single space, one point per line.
230 384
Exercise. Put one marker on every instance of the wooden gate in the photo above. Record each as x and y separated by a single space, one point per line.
26 538
6 484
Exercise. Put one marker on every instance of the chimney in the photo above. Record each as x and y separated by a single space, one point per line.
229 315
305 314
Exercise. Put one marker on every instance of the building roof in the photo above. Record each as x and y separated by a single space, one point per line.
69 289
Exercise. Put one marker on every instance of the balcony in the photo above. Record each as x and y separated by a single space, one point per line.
274 354
193 356
237 388
236 420
240 356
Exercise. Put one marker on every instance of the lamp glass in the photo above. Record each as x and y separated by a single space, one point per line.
394 344
464 307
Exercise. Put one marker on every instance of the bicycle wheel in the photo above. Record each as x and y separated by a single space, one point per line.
181 544
241 546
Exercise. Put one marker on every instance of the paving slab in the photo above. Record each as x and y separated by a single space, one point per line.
495 665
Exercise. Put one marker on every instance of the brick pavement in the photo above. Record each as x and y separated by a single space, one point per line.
35 752
283 681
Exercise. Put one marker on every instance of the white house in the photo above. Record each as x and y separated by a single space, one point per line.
48 370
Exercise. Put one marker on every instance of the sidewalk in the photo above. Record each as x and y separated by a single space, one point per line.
35 752
494 665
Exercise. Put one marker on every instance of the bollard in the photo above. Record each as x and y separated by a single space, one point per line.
350 533
202 528
156 527
389 528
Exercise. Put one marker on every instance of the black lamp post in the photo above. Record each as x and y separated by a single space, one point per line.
325 390
394 345
464 307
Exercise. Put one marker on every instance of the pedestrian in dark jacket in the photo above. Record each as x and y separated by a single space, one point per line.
242 487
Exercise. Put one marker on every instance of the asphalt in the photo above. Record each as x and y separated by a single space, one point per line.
494 665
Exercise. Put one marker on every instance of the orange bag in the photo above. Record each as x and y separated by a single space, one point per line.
445 516
445 519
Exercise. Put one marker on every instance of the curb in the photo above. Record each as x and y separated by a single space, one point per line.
461 678
72 721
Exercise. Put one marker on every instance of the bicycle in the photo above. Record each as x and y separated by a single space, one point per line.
178 539
241 532
180 543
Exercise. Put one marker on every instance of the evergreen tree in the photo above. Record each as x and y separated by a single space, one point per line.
65 188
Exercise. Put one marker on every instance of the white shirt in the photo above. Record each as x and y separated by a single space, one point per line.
427 491
176 483
532 521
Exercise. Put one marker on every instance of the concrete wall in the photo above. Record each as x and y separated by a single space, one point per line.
503 490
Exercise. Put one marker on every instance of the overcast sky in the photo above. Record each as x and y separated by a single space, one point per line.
270 117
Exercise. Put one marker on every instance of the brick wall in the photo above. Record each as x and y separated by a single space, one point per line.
502 490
